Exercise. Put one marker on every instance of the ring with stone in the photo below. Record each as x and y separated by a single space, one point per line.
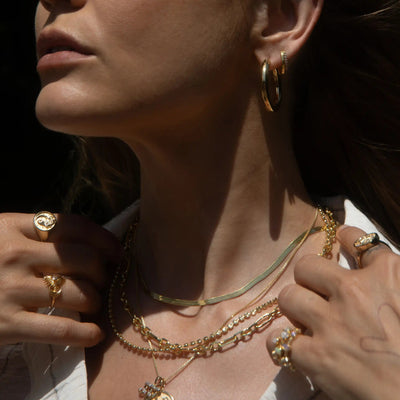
282 351
44 222
364 243
54 282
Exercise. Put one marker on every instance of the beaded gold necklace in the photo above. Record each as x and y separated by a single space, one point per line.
213 342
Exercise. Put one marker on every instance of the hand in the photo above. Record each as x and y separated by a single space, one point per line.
352 349
77 249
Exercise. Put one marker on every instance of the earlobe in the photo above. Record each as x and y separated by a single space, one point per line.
283 25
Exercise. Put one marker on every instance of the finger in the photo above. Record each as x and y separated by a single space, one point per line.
71 259
76 295
347 235
71 228
39 328
319 274
303 306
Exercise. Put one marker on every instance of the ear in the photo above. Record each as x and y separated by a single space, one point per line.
283 25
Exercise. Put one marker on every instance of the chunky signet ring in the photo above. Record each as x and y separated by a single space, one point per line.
364 243
44 222
283 347
54 283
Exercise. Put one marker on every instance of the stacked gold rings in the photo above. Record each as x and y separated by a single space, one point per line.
365 243
44 222
283 347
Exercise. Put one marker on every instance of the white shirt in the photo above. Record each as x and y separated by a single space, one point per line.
59 372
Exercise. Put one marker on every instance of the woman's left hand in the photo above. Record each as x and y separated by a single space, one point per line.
352 349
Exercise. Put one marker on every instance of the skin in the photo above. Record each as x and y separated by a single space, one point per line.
215 193
353 329
207 166
24 260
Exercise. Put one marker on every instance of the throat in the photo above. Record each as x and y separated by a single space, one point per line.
235 258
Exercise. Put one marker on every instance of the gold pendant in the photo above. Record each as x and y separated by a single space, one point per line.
155 391
164 396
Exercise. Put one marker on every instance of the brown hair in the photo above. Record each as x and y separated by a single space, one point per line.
106 178
346 123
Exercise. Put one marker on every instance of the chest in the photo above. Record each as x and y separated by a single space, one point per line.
243 371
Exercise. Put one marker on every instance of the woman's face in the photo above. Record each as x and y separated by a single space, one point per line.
135 64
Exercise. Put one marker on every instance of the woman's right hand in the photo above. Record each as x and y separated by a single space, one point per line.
76 248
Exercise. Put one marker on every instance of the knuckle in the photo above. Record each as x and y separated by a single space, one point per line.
388 270
303 264
307 260
390 261
352 287
7 222
12 252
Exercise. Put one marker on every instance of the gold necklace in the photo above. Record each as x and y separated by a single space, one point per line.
209 344
329 228
156 390
239 292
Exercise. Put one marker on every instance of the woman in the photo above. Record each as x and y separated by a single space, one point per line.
221 195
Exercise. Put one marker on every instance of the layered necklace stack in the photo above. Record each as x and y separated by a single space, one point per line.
223 338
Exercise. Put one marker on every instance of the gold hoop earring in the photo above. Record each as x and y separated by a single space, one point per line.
271 87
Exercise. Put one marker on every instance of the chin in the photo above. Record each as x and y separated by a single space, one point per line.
69 111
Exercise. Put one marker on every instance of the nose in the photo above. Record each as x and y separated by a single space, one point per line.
51 4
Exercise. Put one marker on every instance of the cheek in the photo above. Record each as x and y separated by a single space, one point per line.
153 57
169 45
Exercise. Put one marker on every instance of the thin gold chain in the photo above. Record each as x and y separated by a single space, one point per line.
239 292
208 345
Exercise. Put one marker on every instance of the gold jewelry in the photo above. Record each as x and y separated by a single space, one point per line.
209 344
206 345
330 226
201 347
283 347
271 87
364 243
156 390
152 391
54 282
239 292
284 67
310 230
44 222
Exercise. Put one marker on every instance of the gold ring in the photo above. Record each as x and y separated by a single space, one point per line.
54 282
364 243
283 347
44 222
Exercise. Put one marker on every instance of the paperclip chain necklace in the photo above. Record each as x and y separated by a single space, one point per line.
203 346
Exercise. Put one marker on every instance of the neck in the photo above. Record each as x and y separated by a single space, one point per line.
216 206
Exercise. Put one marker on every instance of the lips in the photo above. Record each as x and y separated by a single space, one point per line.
51 41
56 48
